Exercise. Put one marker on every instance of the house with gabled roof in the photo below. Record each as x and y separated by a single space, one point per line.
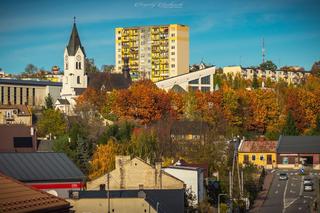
297 151
48 171
136 174
261 153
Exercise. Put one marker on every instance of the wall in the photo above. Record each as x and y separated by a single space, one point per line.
119 205
135 174
8 132
183 80
191 179
257 161
17 119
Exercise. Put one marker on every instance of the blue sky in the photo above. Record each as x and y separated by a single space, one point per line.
221 32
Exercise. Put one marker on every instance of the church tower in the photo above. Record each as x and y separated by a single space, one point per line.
74 80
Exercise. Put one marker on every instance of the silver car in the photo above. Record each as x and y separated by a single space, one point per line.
283 176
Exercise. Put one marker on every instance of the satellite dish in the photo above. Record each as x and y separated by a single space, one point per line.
53 192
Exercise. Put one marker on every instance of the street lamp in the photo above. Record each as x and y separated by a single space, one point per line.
219 201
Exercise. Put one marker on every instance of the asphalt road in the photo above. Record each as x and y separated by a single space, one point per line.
288 195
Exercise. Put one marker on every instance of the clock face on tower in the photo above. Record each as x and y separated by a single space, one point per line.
78 57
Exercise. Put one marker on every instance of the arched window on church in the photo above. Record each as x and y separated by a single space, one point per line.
78 79
79 65
66 66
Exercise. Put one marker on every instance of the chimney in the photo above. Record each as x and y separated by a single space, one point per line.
158 178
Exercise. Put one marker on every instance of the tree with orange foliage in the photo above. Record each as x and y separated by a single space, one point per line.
103 159
143 102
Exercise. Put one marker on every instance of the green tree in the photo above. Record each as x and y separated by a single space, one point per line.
144 145
48 101
315 70
255 83
290 127
83 153
316 130
62 144
268 65
90 66
30 69
51 123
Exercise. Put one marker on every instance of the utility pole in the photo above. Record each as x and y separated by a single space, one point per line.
241 183
230 189
263 51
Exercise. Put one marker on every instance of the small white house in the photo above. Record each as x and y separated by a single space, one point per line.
193 177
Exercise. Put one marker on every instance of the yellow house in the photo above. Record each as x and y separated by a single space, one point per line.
260 153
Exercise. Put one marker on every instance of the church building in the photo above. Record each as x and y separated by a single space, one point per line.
76 79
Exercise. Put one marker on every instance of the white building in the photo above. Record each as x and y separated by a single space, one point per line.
74 80
201 80
193 177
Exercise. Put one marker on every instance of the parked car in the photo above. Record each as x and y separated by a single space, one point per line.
308 187
283 176
307 180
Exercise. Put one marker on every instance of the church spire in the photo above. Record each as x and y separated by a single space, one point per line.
74 41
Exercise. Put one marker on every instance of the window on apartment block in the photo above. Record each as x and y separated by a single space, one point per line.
33 96
173 65
27 97
172 41
173 53
205 80
21 95
173 47
2 95
261 157
9 98
195 81
173 34
14 95
253 157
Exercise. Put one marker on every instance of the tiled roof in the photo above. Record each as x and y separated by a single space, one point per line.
74 42
258 146
108 81
22 109
17 197
39 166
299 144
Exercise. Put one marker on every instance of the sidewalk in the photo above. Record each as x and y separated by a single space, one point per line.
263 194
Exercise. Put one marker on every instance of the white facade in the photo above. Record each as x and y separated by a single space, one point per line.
74 68
201 80
193 177
74 75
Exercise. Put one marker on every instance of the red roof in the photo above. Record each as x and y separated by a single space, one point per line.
258 146
17 197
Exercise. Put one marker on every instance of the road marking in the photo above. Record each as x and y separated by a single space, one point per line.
284 198
301 186
276 192
300 208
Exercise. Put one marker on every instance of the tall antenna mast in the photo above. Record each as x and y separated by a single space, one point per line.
263 51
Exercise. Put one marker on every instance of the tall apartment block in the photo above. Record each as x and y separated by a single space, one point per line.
154 52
